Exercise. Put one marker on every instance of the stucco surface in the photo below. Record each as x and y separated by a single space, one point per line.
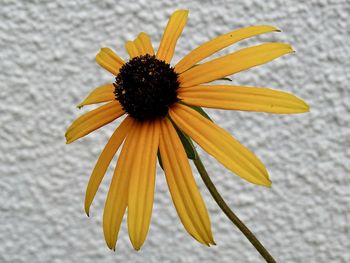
47 51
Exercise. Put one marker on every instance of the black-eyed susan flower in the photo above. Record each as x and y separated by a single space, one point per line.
162 103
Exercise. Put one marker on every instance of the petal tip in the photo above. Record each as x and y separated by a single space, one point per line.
136 247
264 180
212 241
111 248
109 245
185 11
104 49
305 107
291 50
98 59
285 46
87 210
69 140
181 11
272 28
276 29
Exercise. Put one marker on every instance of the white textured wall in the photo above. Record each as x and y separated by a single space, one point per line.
47 52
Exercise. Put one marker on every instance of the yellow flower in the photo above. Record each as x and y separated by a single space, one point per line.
160 102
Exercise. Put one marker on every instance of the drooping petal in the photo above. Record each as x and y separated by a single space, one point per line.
109 60
218 43
182 186
146 43
117 198
220 144
93 120
238 61
242 98
141 188
101 94
171 34
104 160
131 49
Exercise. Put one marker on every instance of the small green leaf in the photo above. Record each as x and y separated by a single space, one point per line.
201 111
198 109
187 143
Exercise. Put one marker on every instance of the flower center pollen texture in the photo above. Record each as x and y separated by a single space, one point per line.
146 87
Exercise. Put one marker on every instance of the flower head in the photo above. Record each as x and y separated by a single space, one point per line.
162 104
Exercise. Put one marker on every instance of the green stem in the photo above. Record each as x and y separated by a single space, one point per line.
229 213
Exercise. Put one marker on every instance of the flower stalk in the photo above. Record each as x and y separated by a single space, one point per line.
228 212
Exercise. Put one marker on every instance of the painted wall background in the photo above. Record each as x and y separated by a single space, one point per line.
47 51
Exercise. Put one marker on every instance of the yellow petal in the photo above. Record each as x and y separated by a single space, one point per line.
104 160
233 63
110 61
218 43
101 94
132 49
242 98
141 188
146 43
93 120
171 34
182 186
139 46
117 198
220 144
